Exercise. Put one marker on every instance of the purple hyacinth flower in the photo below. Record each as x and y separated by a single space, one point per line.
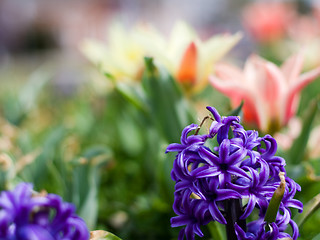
27 216
216 172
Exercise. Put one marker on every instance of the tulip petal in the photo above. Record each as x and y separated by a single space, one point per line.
188 65
291 68
237 92
210 52
293 94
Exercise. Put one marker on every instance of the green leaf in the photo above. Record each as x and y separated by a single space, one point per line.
311 207
316 237
133 94
237 111
86 180
34 86
169 110
275 201
13 110
38 171
150 68
134 144
298 148
102 235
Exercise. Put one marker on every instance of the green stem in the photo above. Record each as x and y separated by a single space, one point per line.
215 231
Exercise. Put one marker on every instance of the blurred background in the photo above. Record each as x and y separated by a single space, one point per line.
35 32
36 27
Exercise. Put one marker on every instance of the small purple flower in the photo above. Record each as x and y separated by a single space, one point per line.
223 169
24 216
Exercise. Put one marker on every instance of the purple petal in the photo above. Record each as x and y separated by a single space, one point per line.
216 214
237 156
179 221
186 131
295 204
224 194
215 113
295 230
35 232
205 171
224 150
215 127
250 206
208 156
175 147
241 235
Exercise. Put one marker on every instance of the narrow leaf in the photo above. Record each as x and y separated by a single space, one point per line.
237 111
132 94
317 237
275 201
311 207
298 148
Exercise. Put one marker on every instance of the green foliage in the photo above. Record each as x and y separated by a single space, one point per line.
106 153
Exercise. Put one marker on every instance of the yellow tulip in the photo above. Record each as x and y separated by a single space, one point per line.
121 59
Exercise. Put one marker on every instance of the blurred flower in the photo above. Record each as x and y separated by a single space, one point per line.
240 167
25 215
185 56
304 32
189 59
270 94
122 58
280 25
267 21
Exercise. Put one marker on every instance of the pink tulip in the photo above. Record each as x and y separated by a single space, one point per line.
270 94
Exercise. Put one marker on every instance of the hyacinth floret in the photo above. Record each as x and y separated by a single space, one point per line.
240 169
25 215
